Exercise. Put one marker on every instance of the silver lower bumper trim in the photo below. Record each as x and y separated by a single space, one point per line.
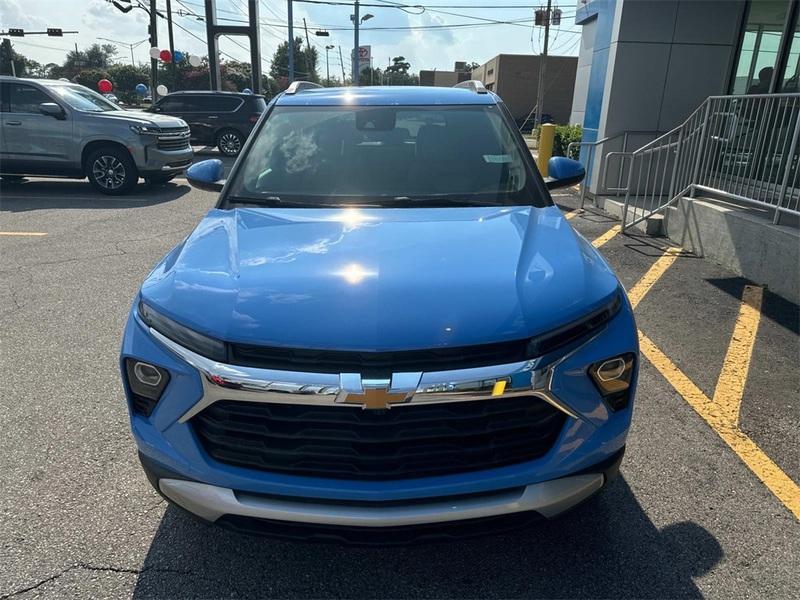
548 498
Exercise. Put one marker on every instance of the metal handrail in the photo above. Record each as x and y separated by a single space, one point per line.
744 148
590 159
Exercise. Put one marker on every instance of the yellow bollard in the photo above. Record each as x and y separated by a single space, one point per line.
547 134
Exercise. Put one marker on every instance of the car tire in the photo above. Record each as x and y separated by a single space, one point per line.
111 171
160 179
230 142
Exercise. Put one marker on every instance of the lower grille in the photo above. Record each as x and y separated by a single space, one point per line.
380 536
404 442
173 143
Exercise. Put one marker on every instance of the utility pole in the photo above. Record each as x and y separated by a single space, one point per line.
328 48
542 64
290 49
153 44
171 42
341 62
308 50
356 57
10 52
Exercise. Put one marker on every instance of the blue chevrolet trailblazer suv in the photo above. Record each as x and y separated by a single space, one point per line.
384 330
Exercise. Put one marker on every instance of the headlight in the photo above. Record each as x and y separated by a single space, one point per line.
196 342
612 377
543 344
145 129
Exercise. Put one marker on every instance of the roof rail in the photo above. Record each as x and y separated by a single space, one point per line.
474 85
299 86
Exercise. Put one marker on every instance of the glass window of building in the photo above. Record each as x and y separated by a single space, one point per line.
791 72
760 47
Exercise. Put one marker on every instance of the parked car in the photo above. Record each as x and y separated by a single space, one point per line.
56 128
221 119
113 98
383 330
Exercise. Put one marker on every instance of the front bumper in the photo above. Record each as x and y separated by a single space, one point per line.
188 476
151 160
385 523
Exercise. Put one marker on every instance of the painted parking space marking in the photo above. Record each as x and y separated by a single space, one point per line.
638 291
771 475
571 214
730 385
22 233
721 413
606 237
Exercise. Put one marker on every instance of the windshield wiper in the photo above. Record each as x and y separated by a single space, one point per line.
273 201
445 200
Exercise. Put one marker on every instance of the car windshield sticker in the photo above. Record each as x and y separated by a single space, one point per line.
497 158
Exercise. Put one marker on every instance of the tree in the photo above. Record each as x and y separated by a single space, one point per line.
399 65
370 76
22 64
398 73
96 56
125 79
90 77
470 67
305 63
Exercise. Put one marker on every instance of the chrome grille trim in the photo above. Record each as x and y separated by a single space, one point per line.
248 384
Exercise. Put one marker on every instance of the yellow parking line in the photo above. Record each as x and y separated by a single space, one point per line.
571 214
22 233
778 482
638 291
606 236
722 413
730 385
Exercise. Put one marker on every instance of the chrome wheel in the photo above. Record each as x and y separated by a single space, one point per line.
230 143
108 172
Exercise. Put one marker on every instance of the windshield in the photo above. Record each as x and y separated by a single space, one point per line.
385 156
81 98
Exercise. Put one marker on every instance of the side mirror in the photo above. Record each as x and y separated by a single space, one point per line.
207 175
563 172
51 109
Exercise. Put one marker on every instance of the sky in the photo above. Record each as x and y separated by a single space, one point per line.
435 48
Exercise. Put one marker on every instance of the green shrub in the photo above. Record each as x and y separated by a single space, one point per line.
564 136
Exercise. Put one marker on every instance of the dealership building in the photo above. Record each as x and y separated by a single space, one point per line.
645 65
691 126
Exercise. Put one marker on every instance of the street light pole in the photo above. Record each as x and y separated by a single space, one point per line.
290 49
171 42
356 57
341 63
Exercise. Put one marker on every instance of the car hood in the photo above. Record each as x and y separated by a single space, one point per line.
380 279
135 117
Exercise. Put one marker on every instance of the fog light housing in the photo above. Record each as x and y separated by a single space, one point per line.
612 378
146 382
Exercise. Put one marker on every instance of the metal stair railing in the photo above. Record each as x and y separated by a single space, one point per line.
742 148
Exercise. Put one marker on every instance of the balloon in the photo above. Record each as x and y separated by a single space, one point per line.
141 89
155 52
194 60
178 56
104 85
162 90
247 91
166 56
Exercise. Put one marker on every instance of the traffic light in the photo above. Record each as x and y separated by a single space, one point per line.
55 32
14 32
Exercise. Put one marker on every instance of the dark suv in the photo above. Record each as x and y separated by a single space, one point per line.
221 119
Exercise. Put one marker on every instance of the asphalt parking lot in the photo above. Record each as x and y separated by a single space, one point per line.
707 504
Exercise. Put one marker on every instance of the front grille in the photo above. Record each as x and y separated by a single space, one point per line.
378 364
403 442
173 138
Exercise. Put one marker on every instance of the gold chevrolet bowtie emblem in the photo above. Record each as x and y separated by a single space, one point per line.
375 398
